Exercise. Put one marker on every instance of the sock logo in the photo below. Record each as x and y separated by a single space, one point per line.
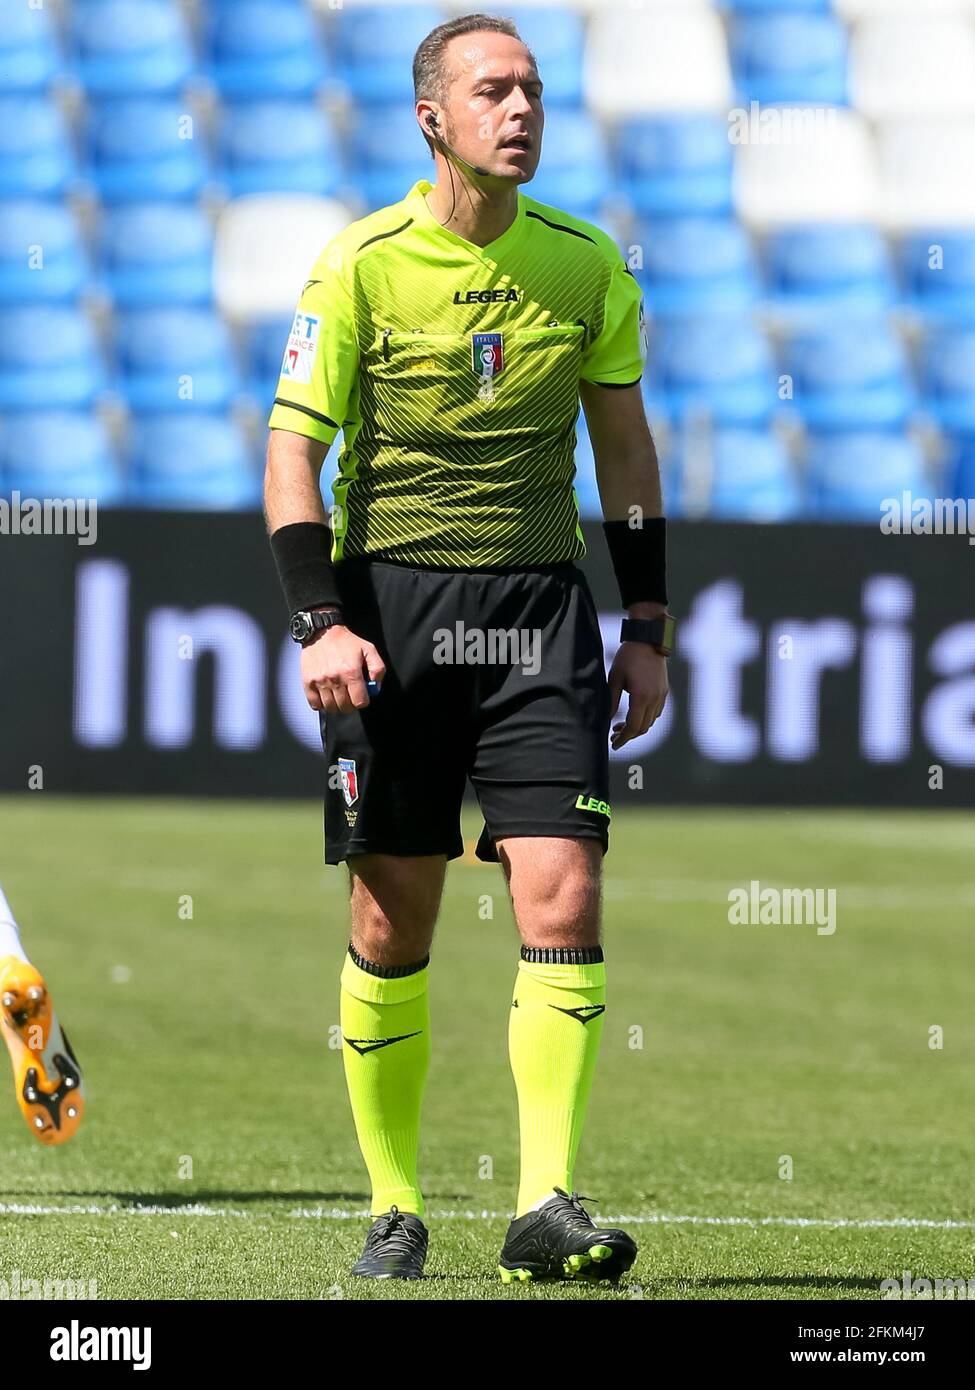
364 1045
585 1014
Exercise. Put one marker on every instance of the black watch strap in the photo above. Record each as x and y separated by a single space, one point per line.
657 632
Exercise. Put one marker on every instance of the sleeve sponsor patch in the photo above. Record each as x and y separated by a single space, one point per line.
299 355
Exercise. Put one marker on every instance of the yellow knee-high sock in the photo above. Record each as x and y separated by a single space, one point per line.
386 1047
554 1031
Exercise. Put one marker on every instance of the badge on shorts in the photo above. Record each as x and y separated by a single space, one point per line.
350 780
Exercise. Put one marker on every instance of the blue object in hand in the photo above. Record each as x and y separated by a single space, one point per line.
373 687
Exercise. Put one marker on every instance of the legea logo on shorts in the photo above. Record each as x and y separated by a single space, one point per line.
492 646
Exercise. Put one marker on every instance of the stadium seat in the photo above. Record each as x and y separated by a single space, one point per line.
849 376
36 155
922 65
938 268
130 47
574 172
926 173
156 253
278 147
42 257
696 265
817 273
789 57
175 359
785 6
29 58
266 246
266 342
387 153
260 49
200 461
947 370
825 171
145 149
374 47
849 475
668 59
862 9
721 368
738 474
675 165
959 471
55 453
49 356
557 38
587 490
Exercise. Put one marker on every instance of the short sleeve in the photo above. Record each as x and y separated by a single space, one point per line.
321 357
616 355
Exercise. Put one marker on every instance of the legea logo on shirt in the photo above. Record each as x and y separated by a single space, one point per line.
299 355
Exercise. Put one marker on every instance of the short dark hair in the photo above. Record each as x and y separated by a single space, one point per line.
429 76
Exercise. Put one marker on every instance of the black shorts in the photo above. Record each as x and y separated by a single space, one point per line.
497 676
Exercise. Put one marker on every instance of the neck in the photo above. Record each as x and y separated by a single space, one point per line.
480 214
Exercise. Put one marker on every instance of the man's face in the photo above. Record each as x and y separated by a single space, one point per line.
494 105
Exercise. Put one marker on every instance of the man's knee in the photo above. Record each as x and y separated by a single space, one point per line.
555 890
395 901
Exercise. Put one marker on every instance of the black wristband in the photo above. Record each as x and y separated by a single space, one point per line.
303 555
639 556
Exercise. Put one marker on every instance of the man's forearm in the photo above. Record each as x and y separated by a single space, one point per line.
292 480
629 490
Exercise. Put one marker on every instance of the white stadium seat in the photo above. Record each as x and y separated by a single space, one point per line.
926 173
904 66
825 171
858 9
656 58
265 246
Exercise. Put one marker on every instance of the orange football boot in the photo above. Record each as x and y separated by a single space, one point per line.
47 1078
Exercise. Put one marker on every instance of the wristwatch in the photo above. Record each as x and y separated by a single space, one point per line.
307 622
658 632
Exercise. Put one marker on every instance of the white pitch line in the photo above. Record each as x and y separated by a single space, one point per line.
344 1214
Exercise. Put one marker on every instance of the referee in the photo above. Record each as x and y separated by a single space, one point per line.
446 630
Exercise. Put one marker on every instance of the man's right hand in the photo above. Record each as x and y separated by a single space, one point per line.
335 666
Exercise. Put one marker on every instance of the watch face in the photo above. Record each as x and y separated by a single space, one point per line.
300 627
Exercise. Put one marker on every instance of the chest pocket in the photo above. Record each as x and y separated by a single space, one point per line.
429 383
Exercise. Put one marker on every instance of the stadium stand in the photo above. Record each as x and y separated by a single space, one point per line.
790 181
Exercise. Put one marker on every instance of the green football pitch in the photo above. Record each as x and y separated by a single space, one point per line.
778 1112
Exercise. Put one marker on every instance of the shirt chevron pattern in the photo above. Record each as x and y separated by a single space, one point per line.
446 462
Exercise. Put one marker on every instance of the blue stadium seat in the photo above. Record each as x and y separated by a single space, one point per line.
574 172
587 491
959 479
49 356
176 359
130 47
948 377
260 49
41 253
145 149
938 269
374 48
783 57
279 147
192 461
56 453
557 38
696 265
157 253
849 475
29 58
387 153
748 476
719 367
266 344
676 165
849 376
36 156
819 272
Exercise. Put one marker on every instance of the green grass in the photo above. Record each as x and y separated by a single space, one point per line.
758 1042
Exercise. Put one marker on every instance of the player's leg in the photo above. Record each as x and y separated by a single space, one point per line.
542 775
47 1078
